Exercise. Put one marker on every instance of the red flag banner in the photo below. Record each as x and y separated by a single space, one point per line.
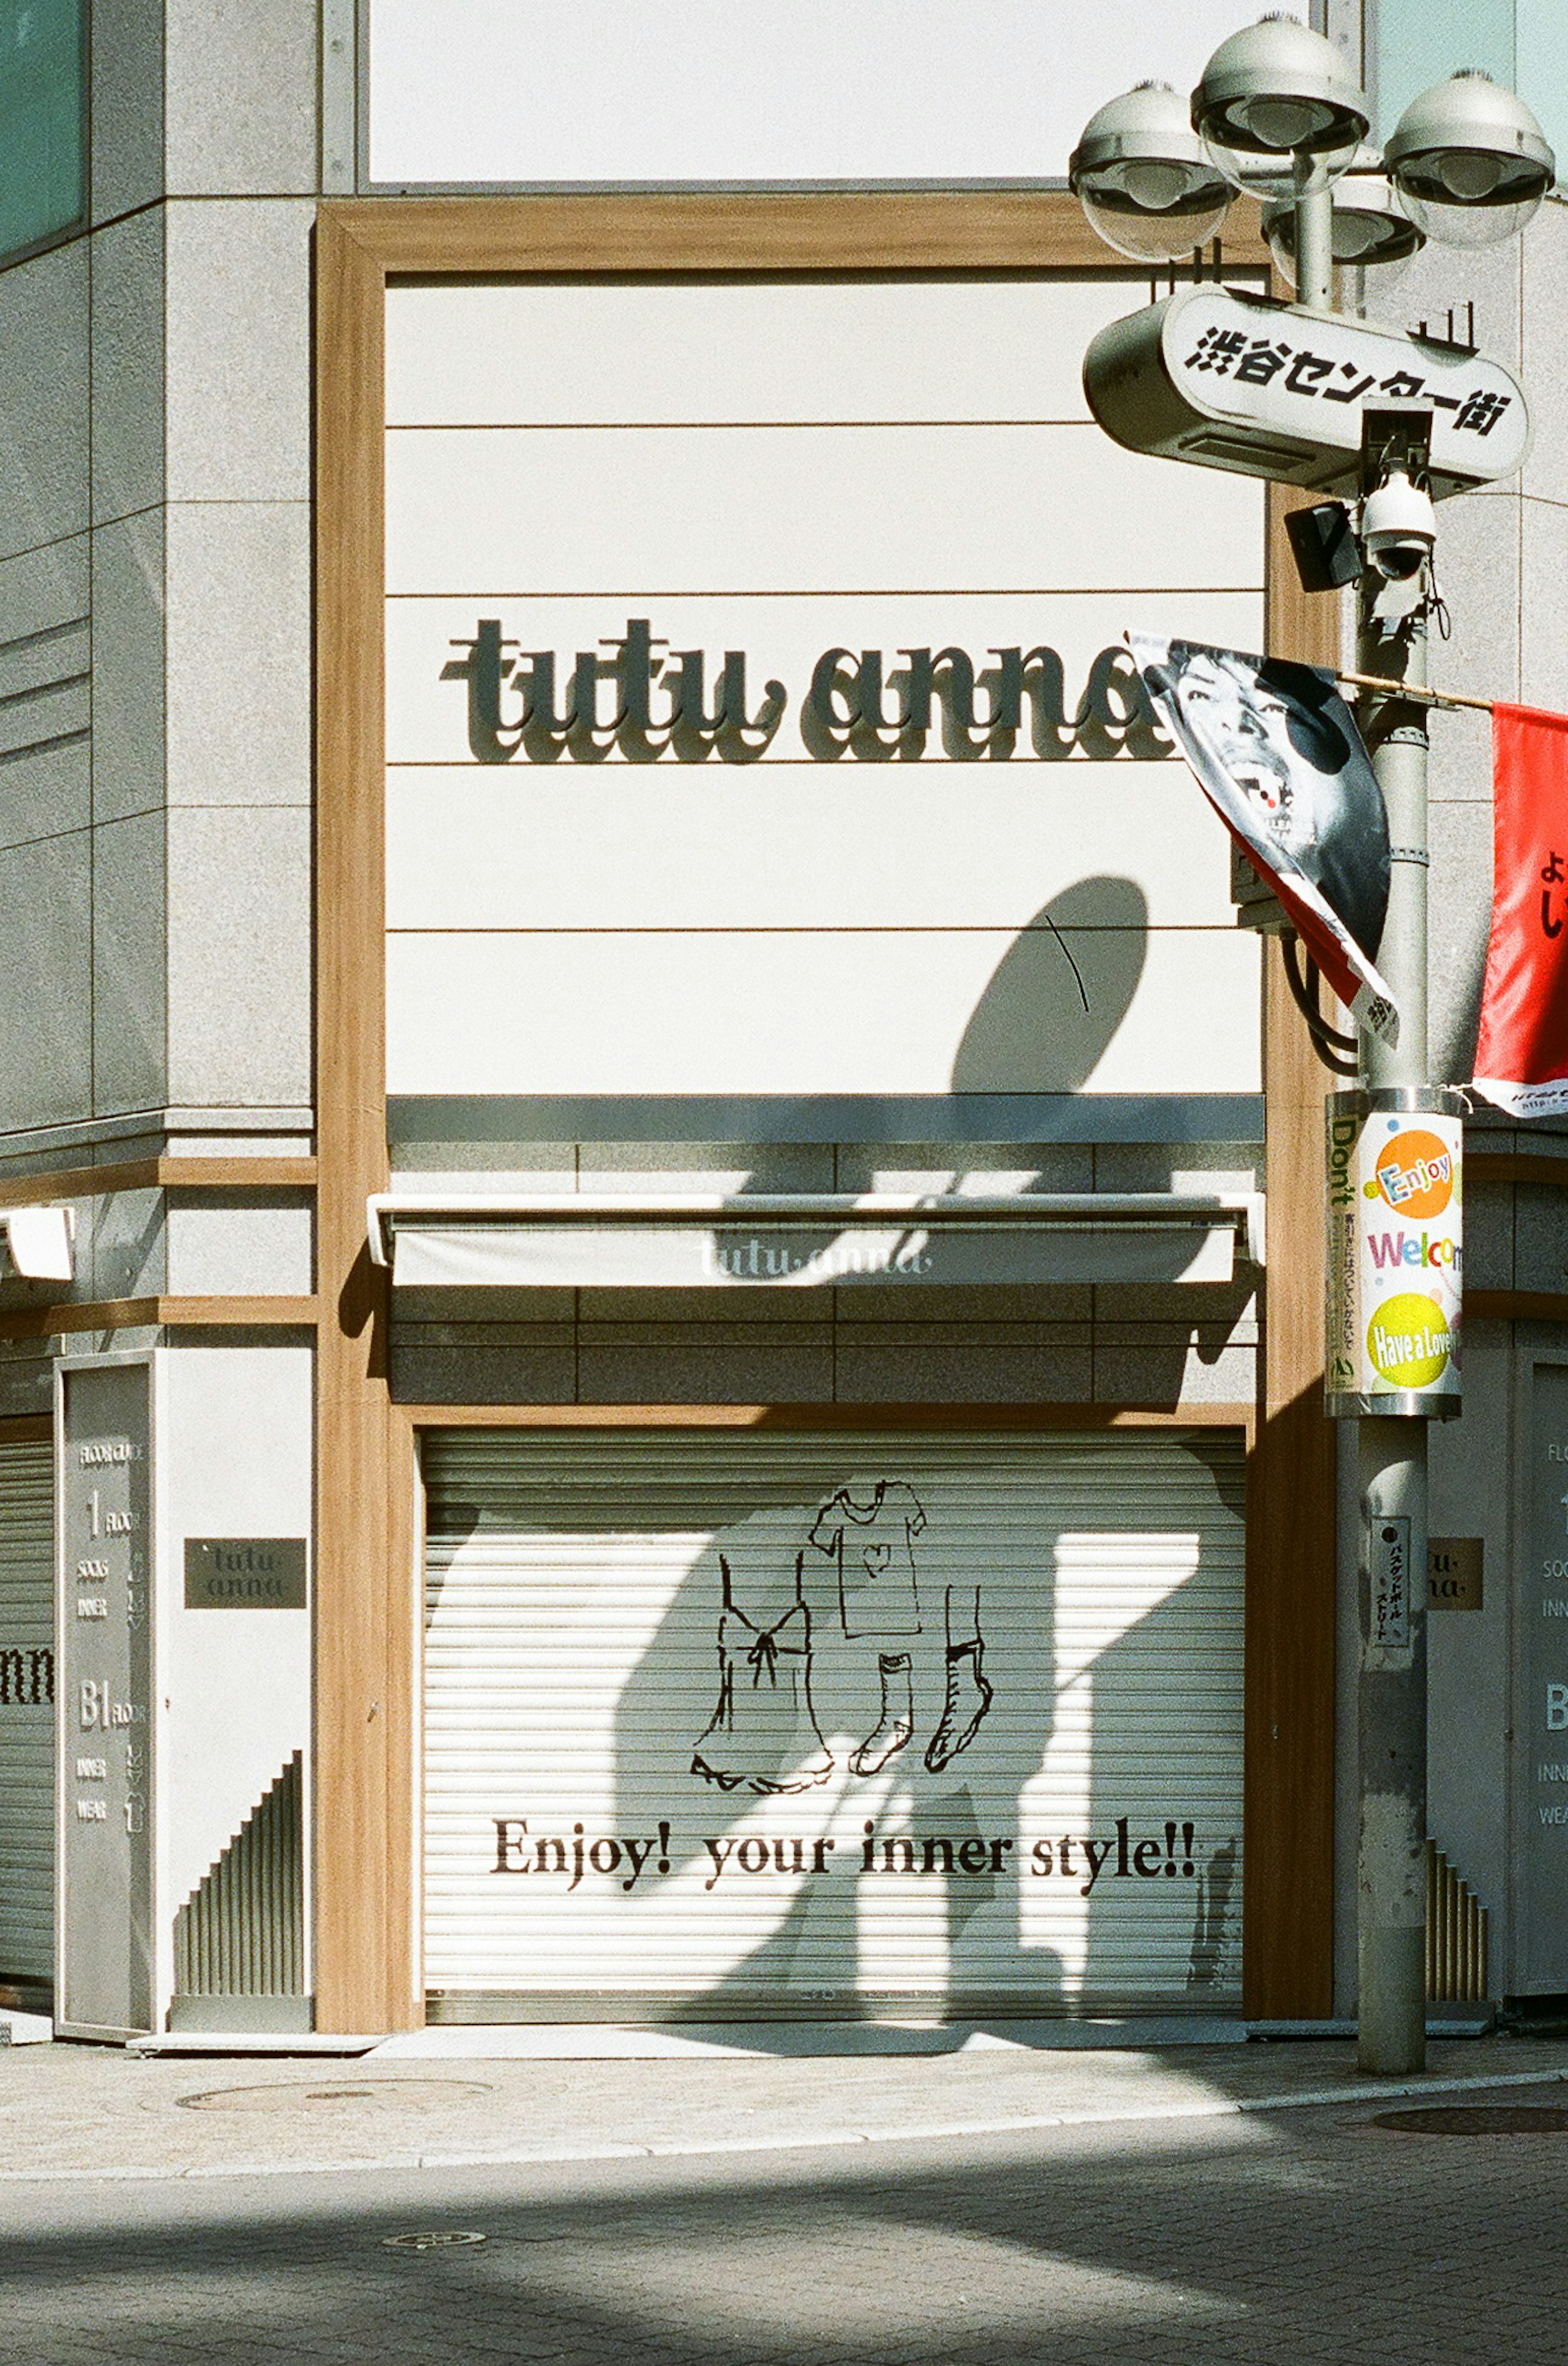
1521 1058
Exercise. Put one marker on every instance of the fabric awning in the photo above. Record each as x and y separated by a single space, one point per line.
803 1241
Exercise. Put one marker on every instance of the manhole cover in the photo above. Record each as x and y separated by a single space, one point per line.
431 2242
399 2094
1478 2119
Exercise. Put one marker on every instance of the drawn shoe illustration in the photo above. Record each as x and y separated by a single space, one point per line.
896 1723
963 1711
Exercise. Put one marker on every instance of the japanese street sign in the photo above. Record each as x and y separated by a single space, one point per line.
1265 389
1394 1255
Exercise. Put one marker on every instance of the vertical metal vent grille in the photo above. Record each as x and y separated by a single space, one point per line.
1456 1934
26 1721
242 1930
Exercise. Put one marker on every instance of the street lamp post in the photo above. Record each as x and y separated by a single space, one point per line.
1276 116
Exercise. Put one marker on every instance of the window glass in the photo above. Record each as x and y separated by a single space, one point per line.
43 179
1422 41
1542 61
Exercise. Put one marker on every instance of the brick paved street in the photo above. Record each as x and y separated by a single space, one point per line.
1271 2236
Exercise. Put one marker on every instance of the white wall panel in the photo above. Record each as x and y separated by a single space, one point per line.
749 90
803 509
804 846
236 1451
597 352
855 1011
811 922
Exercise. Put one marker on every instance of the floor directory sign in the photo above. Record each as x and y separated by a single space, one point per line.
106 1655
1542 1718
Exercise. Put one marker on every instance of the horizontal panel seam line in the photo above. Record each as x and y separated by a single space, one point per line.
43 747
44 632
692 426
42 689
862 591
848 929
853 769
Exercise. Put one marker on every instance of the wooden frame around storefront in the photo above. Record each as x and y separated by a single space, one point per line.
366 1613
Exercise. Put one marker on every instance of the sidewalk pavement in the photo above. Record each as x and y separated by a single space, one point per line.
468 2097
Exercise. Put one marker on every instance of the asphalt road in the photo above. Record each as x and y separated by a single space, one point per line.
1278 2233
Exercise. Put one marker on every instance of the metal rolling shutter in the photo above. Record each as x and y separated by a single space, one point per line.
27 1714
639 1804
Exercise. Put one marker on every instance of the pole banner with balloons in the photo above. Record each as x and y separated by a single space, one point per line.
1395 1254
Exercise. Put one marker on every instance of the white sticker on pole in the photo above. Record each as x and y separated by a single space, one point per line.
1394 1260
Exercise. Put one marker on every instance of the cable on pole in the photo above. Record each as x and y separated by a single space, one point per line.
1339 1054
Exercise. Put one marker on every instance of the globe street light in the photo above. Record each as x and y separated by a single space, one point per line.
1470 162
1276 115
1143 180
1275 106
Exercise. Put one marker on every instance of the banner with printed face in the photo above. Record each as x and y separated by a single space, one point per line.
1394 1259
1277 753
1521 1058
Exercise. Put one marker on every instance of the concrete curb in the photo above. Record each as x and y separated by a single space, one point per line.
830 2139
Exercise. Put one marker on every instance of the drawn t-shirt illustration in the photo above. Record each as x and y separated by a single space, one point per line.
873 1544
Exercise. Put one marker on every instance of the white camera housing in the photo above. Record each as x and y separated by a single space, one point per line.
1399 527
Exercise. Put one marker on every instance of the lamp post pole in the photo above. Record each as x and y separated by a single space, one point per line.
1276 116
1391 1450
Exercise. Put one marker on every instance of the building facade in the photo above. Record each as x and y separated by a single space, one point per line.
685 1376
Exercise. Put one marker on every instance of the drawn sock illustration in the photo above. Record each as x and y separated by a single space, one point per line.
968 1693
897 1721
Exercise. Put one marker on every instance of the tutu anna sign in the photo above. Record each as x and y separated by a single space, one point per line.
642 700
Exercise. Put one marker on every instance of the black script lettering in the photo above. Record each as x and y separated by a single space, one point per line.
1095 1852
637 1855
1036 674
1041 1861
1116 713
634 669
875 736
832 707
511 1852
949 678
718 1851
728 732
1147 1857
512 704
543 734
491 738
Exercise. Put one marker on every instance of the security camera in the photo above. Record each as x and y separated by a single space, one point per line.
1398 527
